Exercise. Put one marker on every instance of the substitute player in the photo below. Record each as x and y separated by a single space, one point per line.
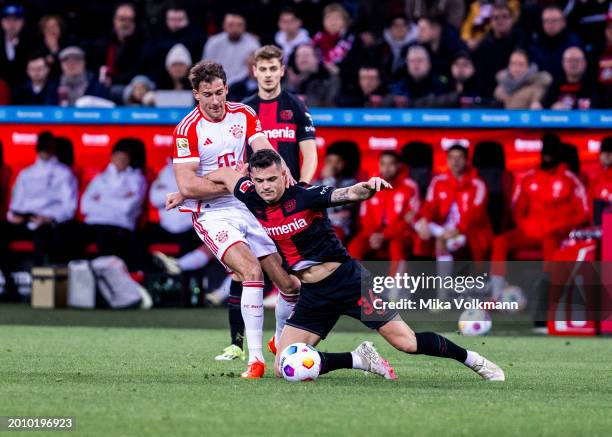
295 218
212 136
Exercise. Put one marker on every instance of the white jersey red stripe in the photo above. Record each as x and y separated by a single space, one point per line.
215 144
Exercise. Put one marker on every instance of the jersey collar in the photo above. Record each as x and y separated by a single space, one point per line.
208 119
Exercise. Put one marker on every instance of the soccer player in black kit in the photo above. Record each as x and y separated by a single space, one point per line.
289 128
296 220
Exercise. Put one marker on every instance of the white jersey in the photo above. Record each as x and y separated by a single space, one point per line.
215 144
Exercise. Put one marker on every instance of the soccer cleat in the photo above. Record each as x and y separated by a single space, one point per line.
488 370
255 370
272 345
215 298
269 301
232 352
169 264
376 364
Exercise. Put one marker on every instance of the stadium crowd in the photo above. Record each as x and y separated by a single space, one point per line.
352 53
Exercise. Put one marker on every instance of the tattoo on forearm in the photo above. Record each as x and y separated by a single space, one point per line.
340 195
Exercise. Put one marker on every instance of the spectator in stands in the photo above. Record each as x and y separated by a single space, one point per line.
39 89
232 47
17 45
43 204
477 23
547 204
604 69
493 53
521 85
336 173
371 91
419 82
442 42
290 32
51 28
574 90
75 81
397 37
112 203
178 29
334 41
454 212
176 75
465 91
600 188
309 78
247 86
174 227
386 223
139 92
450 11
546 49
119 54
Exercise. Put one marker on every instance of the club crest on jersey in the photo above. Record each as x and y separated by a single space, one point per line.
244 186
221 236
290 205
182 147
236 130
286 114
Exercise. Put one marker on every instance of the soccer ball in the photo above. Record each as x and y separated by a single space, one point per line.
300 362
511 294
475 322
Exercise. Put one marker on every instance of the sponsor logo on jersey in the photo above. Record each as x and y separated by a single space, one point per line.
285 133
286 115
290 205
244 186
182 147
222 236
292 227
237 131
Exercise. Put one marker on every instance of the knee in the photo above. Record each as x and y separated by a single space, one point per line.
251 272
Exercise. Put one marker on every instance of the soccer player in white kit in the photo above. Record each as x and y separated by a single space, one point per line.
212 136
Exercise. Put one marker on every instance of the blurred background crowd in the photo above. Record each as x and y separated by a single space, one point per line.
352 53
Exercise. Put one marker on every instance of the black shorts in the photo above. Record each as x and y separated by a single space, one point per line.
322 303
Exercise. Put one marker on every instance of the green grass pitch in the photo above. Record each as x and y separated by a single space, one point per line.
121 381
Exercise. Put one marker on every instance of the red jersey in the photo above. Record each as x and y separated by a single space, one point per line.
385 212
547 201
469 193
601 186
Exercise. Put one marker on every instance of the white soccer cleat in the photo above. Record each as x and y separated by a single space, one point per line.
169 264
375 363
230 353
488 370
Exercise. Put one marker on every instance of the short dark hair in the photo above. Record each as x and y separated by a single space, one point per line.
264 159
206 71
391 153
289 10
46 143
458 147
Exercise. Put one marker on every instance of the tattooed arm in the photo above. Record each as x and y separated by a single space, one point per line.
359 192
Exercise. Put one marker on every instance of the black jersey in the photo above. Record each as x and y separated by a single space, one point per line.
285 121
297 223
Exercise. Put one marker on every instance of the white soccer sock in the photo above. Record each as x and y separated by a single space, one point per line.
252 314
497 287
472 359
358 361
284 308
196 259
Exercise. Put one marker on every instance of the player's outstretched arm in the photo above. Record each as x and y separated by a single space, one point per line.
192 186
359 192
226 177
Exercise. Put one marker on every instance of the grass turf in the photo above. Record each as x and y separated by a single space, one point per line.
140 381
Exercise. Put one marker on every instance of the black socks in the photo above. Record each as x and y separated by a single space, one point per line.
430 343
235 314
